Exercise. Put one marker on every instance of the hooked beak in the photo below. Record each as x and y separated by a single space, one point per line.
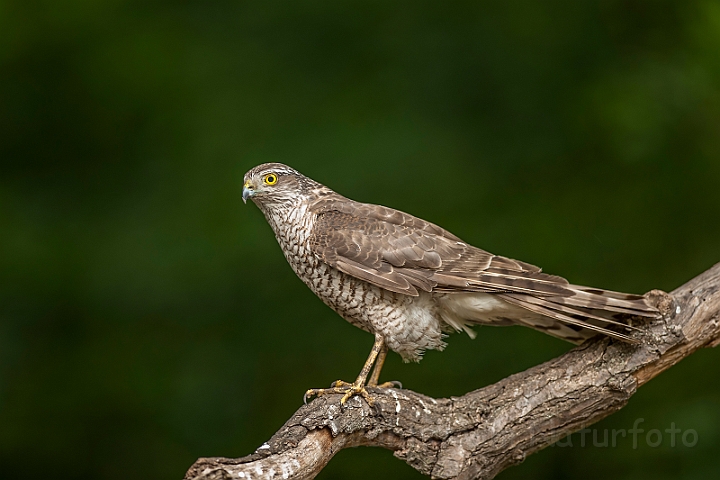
247 191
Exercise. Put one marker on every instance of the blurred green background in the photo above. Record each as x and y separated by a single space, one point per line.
147 316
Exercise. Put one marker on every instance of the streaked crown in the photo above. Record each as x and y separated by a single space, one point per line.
275 183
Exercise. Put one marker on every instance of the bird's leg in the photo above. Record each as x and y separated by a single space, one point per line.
373 382
379 361
357 387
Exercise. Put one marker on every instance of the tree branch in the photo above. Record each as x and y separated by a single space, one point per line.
478 435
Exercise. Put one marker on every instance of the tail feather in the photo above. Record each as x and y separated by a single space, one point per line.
584 328
595 298
582 314
592 310
575 312
570 312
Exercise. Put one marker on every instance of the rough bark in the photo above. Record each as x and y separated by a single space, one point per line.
485 431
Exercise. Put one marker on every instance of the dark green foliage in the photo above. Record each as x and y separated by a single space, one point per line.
147 317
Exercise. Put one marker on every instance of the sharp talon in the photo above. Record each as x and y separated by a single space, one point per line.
347 390
392 384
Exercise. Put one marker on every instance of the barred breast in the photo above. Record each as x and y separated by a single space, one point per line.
410 325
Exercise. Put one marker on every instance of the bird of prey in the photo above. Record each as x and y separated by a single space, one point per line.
409 282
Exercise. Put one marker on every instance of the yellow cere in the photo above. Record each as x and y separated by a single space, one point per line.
271 179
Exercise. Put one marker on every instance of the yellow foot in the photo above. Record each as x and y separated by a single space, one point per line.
346 389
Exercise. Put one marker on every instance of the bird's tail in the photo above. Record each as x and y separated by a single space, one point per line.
587 312
584 313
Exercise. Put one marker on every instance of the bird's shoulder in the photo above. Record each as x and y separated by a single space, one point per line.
335 211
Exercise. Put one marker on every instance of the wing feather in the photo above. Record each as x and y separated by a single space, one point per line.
388 280
402 253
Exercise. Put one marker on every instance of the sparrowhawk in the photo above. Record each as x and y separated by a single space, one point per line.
409 282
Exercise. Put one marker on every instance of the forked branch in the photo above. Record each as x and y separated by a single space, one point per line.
478 435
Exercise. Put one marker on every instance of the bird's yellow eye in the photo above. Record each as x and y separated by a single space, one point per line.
270 179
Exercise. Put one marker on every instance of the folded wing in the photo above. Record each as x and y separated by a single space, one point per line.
405 254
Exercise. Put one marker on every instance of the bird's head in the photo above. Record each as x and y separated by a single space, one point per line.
274 183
